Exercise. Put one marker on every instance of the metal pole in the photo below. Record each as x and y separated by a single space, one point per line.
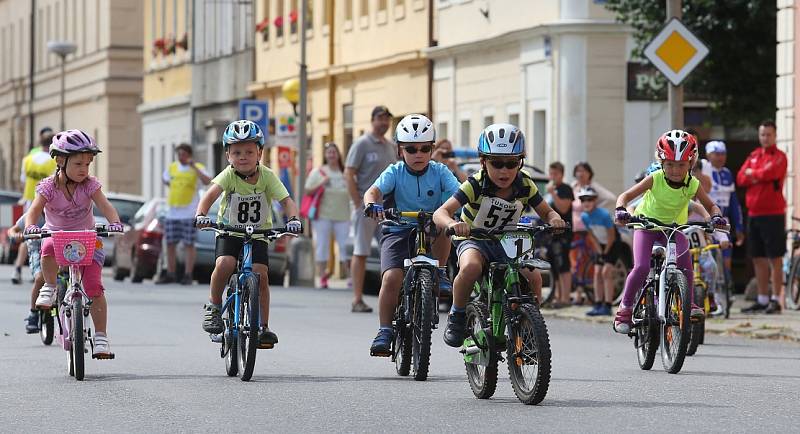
301 130
675 96
63 63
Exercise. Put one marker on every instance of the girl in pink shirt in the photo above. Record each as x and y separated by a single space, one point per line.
66 199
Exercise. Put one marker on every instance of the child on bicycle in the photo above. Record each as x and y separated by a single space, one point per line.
66 199
601 229
667 195
34 262
415 183
493 197
248 189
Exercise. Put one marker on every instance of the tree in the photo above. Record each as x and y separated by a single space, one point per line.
738 75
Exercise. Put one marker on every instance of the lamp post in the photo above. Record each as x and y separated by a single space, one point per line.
62 49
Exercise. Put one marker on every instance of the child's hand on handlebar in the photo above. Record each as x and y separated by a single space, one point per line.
460 229
622 216
374 211
202 221
33 229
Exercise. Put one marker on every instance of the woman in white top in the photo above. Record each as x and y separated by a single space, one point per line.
333 215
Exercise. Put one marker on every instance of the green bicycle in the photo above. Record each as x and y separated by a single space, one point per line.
505 317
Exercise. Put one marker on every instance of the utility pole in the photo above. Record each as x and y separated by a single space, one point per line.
675 95
301 130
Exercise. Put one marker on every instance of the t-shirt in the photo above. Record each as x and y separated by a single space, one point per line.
598 222
65 214
370 156
563 191
36 166
335 203
184 212
483 209
244 204
665 203
408 192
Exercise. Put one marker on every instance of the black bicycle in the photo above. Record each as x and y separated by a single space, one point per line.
792 276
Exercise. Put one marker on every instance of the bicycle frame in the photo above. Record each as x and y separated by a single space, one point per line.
698 279
244 269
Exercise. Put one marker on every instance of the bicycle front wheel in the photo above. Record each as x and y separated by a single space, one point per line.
249 321
423 324
528 354
793 285
77 336
646 339
230 346
698 328
675 331
402 341
480 358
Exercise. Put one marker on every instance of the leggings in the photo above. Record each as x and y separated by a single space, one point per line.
642 247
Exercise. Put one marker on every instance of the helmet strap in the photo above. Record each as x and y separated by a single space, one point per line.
245 177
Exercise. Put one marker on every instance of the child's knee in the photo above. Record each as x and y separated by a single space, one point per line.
225 264
392 279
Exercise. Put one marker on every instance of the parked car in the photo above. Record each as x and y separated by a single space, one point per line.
9 213
126 206
136 253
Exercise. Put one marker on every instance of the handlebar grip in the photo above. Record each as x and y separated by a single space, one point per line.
449 232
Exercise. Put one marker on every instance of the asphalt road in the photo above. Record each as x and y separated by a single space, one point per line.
168 377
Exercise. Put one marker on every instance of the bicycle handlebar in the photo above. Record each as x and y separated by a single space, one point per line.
651 223
492 233
46 233
270 233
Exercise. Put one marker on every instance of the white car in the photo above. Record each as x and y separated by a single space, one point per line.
126 206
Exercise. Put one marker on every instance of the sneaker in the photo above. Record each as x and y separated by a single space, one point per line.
32 322
165 278
101 349
755 308
445 285
456 329
16 278
605 310
266 338
212 320
697 312
323 281
186 280
45 298
622 321
360 307
595 311
382 344
773 307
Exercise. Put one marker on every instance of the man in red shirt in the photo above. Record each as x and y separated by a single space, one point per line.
763 174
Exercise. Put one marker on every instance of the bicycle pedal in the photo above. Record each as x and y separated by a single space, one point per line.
266 346
217 339
108 356
380 354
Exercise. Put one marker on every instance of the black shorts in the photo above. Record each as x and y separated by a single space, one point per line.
766 236
558 253
232 246
614 253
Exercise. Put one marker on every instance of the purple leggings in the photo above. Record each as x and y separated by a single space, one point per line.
642 248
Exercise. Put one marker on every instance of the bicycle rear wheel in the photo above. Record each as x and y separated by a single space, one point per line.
646 339
528 354
249 321
423 324
230 345
482 364
793 285
675 332
697 329
77 336
46 326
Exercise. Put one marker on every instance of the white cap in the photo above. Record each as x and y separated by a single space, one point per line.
716 146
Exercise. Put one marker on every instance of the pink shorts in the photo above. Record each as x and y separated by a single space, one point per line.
91 274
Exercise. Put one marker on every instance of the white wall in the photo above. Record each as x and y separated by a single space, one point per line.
162 130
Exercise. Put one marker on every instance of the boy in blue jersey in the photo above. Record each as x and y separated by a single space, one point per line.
601 228
416 183
723 192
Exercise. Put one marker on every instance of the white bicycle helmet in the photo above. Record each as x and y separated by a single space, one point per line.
501 140
415 128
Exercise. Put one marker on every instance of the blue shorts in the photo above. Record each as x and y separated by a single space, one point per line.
34 256
491 251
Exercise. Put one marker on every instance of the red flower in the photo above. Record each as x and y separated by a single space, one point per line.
293 17
159 43
278 21
263 25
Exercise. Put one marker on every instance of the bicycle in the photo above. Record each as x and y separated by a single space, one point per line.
241 311
662 313
703 291
505 317
792 270
74 250
416 314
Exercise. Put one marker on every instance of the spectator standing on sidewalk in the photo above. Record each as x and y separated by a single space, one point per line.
366 160
559 197
184 177
333 215
443 153
762 174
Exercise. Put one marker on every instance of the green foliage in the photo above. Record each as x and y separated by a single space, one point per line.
738 75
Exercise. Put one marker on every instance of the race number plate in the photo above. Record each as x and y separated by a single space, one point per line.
516 244
696 236
495 212
247 210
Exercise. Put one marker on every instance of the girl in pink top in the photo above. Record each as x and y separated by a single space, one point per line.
66 199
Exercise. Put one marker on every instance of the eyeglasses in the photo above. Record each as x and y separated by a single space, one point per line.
413 150
498 164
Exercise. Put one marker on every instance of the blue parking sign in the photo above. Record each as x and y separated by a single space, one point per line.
256 111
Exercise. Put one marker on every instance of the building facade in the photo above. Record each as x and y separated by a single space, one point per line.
103 82
788 99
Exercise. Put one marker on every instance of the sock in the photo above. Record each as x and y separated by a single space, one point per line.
774 298
455 309
763 299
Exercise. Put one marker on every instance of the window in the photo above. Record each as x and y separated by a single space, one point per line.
347 126
294 17
513 119
310 15
382 5
441 130
326 12
279 20
364 8
488 120
348 10
264 25
465 132
539 135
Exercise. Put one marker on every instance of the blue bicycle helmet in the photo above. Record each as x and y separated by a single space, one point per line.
242 131
501 140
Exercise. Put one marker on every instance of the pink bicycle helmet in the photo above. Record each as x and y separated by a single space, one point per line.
73 142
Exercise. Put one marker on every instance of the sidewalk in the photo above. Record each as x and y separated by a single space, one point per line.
785 326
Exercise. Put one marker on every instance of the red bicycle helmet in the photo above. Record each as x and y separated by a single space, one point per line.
676 145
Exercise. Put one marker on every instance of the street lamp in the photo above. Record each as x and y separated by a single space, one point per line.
291 91
62 49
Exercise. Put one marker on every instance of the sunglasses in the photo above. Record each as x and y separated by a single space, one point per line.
413 150
588 199
497 164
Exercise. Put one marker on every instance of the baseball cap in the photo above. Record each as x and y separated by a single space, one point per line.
716 146
586 192
380 110
45 130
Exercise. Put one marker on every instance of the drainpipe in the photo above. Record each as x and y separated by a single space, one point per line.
31 72
331 79
431 43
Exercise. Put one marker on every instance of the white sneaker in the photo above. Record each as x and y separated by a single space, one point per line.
101 347
45 298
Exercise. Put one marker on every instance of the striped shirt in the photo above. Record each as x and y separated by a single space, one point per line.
482 207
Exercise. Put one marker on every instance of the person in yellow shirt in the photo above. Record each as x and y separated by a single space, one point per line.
184 178
36 166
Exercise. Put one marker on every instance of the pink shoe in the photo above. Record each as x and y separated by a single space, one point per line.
323 281
622 321
697 312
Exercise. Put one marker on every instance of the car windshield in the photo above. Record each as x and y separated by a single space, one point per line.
125 208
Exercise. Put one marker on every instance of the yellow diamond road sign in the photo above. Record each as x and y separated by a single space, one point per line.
675 51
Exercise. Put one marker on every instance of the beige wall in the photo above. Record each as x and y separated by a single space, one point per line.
787 98
166 76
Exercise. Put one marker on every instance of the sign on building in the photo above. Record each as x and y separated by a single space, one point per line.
675 51
286 130
256 111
